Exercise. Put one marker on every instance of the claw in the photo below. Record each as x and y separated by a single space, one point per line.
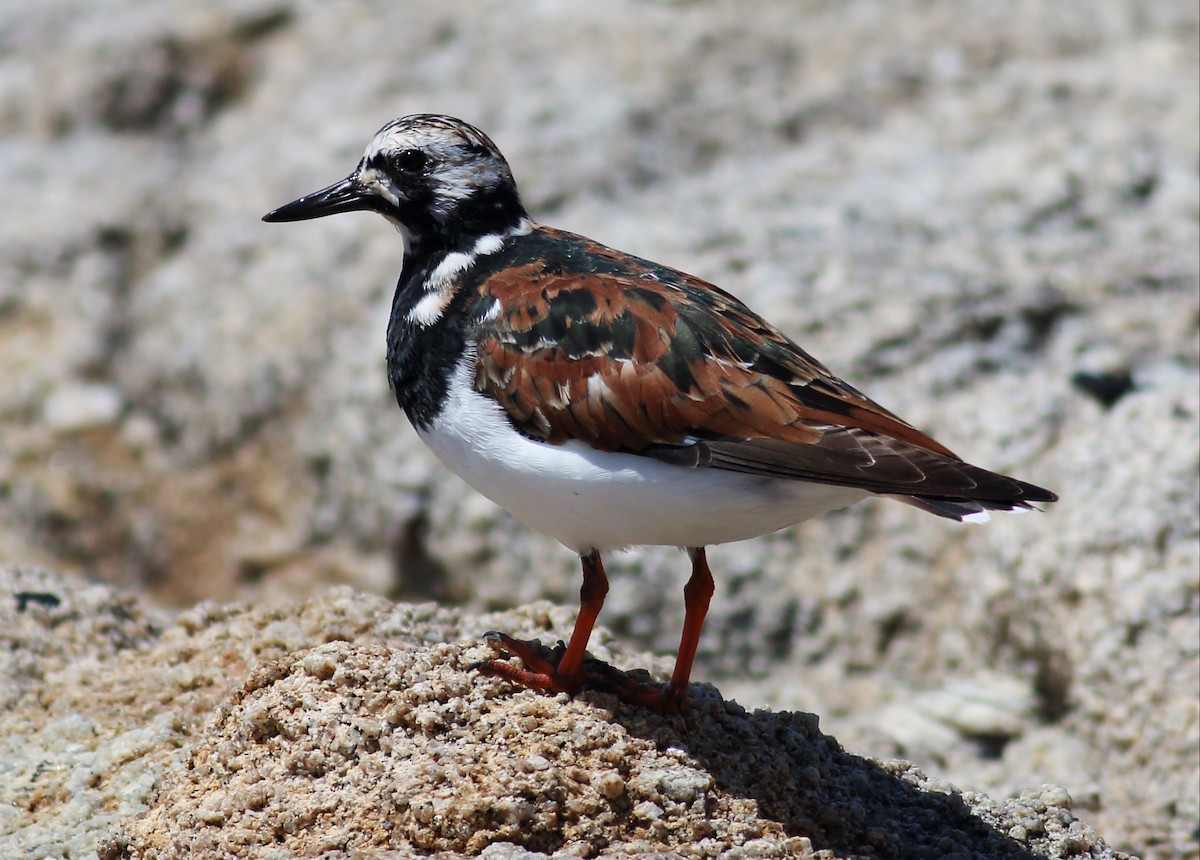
541 664
567 668
541 673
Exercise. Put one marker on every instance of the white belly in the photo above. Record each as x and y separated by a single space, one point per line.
589 499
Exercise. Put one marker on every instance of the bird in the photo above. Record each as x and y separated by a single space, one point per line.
609 401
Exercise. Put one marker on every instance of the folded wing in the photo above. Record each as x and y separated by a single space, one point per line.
629 356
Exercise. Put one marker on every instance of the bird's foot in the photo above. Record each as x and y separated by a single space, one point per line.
541 672
541 665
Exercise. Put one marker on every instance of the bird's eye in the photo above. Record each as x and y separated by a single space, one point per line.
411 160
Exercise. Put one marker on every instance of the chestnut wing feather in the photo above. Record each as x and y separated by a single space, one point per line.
629 356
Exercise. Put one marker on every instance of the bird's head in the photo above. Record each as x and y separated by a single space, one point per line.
436 178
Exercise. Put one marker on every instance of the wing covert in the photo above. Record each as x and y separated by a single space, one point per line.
626 355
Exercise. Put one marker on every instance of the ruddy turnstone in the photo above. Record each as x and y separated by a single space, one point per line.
608 401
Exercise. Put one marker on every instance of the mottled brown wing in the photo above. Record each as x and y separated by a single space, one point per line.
629 356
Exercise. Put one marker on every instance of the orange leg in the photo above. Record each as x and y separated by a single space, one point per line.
591 601
696 596
563 672
568 669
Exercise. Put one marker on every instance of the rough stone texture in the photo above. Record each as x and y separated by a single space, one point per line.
985 214
351 725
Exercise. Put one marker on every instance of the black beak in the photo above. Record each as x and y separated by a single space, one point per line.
345 196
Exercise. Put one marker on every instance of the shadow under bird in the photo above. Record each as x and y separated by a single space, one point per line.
609 401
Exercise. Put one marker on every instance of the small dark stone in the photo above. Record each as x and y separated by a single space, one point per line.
1108 387
43 598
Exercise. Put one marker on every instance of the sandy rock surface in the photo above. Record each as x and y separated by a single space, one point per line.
351 724
983 214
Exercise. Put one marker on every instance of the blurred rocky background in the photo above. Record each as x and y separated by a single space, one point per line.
985 214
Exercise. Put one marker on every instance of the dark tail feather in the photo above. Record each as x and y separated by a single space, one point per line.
963 510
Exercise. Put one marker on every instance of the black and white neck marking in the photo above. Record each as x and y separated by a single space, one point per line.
427 332
442 183
441 274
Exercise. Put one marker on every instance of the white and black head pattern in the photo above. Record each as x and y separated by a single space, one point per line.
439 180
440 171
448 190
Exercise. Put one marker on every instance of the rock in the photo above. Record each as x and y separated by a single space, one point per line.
989 709
74 407
350 724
